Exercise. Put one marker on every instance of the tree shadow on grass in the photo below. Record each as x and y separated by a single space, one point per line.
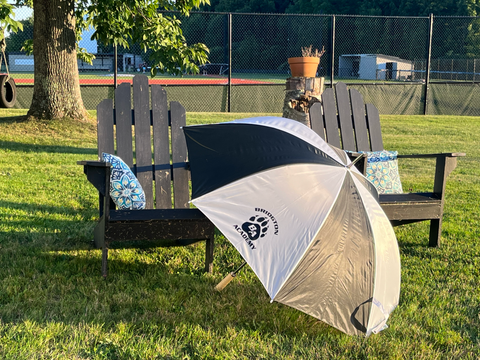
27 223
29 208
8 120
35 148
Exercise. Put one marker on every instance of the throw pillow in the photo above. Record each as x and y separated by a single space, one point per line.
125 190
382 171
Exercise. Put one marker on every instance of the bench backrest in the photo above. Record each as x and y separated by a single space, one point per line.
132 133
344 121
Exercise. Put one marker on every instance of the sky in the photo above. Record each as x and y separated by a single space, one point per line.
22 13
25 12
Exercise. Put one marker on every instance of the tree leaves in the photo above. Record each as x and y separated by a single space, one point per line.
133 21
141 22
7 21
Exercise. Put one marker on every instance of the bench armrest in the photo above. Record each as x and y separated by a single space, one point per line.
98 173
94 163
420 156
445 164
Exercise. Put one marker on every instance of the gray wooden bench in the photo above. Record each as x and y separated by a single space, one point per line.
165 180
344 121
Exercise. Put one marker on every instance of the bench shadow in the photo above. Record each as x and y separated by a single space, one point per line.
144 291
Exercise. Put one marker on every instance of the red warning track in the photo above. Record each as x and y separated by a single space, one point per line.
180 81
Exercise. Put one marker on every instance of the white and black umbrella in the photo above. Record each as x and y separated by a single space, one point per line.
305 220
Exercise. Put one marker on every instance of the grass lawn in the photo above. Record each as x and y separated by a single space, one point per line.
158 304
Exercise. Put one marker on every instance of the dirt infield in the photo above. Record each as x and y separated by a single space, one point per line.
179 81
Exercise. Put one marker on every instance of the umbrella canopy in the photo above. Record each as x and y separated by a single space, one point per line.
308 224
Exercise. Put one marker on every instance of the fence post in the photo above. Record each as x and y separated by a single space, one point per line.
229 97
427 70
332 52
115 67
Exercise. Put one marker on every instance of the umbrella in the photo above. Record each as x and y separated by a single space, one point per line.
306 221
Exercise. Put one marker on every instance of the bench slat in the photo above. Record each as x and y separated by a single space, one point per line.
316 120
344 117
123 120
143 144
375 130
179 155
331 120
105 128
359 121
161 146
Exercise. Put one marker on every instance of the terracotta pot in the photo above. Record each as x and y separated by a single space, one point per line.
303 66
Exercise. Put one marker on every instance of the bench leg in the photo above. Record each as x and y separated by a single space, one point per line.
435 232
104 260
100 243
209 246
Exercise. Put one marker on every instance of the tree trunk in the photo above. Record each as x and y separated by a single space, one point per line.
56 92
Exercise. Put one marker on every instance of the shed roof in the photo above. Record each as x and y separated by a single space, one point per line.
388 57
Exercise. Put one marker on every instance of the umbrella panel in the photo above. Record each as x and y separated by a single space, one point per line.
334 280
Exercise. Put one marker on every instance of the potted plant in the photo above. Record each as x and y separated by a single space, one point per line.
307 64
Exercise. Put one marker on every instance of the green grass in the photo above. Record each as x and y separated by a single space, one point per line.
158 304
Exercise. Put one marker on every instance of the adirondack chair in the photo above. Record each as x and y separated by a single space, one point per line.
344 121
159 221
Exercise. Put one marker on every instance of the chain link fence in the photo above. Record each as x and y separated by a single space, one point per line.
386 58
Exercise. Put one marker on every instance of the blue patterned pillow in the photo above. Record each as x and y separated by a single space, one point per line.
382 171
125 190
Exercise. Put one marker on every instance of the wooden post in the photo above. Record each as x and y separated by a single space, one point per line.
301 93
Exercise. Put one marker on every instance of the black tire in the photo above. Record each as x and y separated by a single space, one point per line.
8 92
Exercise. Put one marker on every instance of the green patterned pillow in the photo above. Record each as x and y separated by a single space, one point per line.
382 171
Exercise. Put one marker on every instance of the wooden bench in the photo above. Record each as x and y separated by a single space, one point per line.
344 121
164 180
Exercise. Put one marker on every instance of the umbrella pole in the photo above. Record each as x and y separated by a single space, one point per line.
221 285
355 161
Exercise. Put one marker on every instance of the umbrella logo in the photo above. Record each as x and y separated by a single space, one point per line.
256 228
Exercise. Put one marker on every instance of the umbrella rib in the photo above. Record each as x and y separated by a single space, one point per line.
206 147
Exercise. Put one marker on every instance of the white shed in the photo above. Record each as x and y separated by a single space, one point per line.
374 67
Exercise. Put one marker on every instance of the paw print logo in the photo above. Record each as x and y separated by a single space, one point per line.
256 227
